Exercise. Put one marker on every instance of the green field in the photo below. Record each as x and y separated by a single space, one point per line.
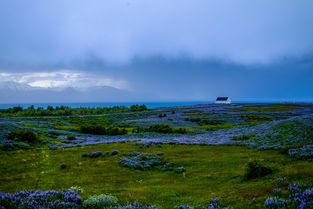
211 171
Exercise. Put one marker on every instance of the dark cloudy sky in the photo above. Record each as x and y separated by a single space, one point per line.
152 50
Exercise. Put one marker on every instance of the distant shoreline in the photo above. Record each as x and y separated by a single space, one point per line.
128 104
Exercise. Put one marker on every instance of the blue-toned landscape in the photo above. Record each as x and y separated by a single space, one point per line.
149 104
209 155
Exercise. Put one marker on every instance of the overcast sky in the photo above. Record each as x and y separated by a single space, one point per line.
152 50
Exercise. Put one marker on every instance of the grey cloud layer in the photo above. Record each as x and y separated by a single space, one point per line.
117 30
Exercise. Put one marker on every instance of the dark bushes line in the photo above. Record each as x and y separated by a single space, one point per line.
203 122
68 111
99 129
159 128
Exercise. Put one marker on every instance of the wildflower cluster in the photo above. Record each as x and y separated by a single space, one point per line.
305 152
300 196
41 199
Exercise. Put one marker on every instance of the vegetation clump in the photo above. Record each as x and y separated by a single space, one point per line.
100 201
162 115
305 152
144 161
160 128
41 199
23 135
99 129
71 137
136 108
68 111
242 137
141 161
63 166
115 152
203 122
256 169
95 154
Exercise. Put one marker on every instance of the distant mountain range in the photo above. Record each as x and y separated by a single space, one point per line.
13 92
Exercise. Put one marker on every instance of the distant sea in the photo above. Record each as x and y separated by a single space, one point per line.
107 104
110 104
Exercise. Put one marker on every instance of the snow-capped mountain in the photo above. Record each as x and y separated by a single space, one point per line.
13 92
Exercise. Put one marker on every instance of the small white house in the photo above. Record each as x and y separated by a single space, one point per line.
222 100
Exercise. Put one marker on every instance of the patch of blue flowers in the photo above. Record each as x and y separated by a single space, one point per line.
305 152
300 196
41 199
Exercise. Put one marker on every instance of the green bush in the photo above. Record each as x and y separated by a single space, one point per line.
162 115
71 137
100 201
137 108
23 135
242 137
160 128
256 169
203 122
99 129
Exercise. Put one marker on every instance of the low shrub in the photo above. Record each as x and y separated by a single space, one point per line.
141 161
63 166
137 108
71 137
23 135
114 152
162 115
242 137
203 122
99 129
100 201
95 154
305 152
167 167
159 128
256 169
85 154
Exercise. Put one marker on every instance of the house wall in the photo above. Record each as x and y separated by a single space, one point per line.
228 101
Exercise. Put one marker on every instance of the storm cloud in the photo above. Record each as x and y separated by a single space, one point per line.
160 50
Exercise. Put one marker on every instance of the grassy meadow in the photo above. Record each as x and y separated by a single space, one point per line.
214 148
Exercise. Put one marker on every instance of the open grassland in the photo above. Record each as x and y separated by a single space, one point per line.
211 171
235 152
269 108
